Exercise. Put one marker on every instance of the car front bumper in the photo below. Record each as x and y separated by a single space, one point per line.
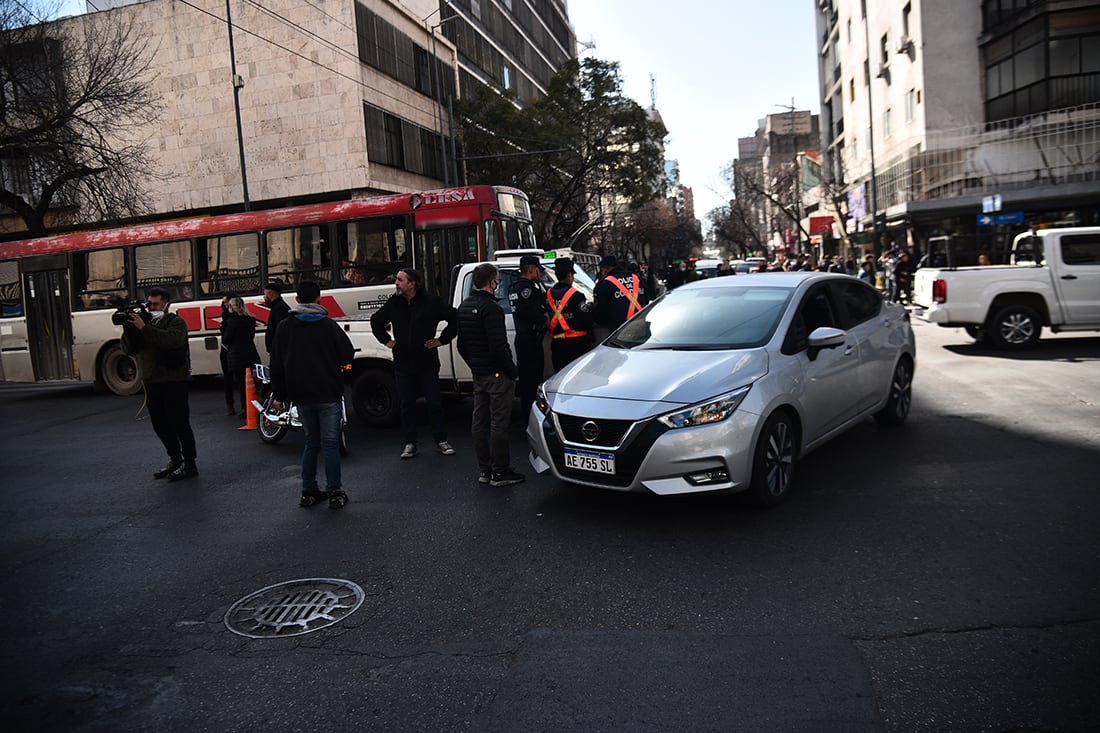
654 459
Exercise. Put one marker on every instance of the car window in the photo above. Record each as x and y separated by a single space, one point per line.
815 311
707 318
860 301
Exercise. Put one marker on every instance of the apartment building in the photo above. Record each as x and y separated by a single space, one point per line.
970 119
337 98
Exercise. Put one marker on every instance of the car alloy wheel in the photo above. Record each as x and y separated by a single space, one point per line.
773 462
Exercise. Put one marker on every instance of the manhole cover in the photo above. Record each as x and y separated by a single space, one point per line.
293 608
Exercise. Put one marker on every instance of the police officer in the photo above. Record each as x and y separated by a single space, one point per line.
619 295
570 317
527 298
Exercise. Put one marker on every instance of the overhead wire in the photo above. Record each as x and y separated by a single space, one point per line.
358 82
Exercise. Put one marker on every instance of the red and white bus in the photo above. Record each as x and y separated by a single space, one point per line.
55 321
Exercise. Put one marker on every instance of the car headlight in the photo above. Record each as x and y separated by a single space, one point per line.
540 399
708 412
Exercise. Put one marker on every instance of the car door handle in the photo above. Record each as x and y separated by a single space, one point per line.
1069 277
849 350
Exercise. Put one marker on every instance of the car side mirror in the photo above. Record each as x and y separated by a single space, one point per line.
824 337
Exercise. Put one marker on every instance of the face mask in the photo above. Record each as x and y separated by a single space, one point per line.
156 315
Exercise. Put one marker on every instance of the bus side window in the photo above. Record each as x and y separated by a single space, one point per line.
229 264
97 275
166 265
371 251
299 254
11 294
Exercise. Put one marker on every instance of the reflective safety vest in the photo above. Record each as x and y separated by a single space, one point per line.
633 306
558 320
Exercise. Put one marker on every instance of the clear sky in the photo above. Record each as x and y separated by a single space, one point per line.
719 67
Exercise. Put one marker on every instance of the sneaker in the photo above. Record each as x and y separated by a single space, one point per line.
186 470
311 497
446 448
410 450
484 477
507 477
172 466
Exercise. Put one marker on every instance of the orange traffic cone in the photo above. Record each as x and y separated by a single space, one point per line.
252 415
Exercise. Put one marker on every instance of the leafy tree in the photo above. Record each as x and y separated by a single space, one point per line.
75 101
581 145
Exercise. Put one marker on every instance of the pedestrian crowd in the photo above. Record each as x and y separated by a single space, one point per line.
308 353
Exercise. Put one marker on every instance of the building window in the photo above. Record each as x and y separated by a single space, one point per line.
884 49
905 13
886 123
398 143
851 90
910 105
849 24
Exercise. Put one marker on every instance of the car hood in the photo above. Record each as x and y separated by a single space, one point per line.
658 376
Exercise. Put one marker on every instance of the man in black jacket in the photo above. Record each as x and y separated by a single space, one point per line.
414 317
307 362
483 343
528 301
273 299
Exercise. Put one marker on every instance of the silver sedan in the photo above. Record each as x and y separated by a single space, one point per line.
722 384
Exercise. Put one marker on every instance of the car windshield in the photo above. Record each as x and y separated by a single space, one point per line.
711 318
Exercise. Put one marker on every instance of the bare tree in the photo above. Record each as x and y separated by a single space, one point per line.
76 104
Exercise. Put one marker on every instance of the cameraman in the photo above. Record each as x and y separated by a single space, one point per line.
158 342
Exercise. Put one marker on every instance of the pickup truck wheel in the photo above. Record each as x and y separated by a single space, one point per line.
375 399
977 333
1015 327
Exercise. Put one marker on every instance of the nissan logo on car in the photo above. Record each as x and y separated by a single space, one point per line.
590 431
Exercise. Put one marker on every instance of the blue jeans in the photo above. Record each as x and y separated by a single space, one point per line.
322 427
425 382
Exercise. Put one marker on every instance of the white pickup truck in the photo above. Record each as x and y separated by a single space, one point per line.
1053 280
374 391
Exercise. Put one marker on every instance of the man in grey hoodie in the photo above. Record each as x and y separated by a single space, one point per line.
307 362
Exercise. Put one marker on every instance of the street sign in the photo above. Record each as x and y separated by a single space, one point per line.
985 220
1013 217
991 204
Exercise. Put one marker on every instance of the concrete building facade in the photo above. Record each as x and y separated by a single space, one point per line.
932 108
338 98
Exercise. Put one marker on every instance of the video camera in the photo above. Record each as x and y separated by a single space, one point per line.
121 317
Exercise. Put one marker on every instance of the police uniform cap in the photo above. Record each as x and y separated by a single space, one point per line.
608 261
562 265
528 260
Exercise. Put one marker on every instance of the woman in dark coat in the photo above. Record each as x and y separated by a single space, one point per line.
239 339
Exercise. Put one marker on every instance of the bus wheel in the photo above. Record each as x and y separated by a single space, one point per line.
374 397
118 371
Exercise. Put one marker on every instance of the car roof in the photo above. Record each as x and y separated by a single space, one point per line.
772 279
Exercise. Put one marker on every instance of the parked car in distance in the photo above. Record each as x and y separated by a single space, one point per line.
721 385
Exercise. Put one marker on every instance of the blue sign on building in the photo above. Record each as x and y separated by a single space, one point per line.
985 220
1013 217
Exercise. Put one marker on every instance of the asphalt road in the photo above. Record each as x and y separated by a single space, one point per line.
940 576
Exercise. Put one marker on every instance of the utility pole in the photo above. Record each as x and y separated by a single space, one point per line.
797 185
876 240
238 84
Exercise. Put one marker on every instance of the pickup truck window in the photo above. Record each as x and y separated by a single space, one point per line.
1081 249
